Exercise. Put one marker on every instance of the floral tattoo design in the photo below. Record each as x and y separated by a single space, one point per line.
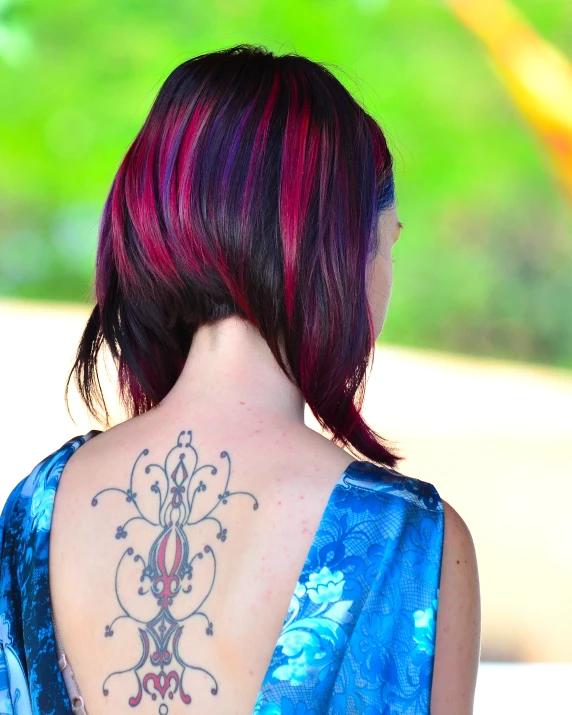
173 504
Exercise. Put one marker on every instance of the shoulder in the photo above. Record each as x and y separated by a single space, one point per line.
457 647
403 512
365 479
459 568
458 538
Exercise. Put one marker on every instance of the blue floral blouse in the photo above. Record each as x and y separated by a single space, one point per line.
359 634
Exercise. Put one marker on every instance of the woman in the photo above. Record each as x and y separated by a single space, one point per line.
212 554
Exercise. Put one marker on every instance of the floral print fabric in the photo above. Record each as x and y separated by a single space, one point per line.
30 679
359 634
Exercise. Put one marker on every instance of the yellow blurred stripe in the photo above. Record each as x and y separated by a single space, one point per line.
538 75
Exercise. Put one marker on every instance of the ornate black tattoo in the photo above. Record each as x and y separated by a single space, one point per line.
168 570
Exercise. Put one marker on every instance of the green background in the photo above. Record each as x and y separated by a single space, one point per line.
484 264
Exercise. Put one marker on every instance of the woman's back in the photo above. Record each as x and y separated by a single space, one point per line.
246 551
355 566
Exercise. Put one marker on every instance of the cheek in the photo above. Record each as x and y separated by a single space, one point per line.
381 277
379 289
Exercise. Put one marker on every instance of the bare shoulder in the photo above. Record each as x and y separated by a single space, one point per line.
458 640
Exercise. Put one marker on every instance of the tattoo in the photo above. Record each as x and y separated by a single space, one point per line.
178 489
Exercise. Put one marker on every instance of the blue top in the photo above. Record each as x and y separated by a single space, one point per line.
360 630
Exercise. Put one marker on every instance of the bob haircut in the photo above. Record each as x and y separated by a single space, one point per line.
253 188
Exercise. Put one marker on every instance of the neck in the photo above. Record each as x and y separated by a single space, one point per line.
230 365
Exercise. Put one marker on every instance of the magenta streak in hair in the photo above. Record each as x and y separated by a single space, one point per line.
174 132
299 155
144 215
182 190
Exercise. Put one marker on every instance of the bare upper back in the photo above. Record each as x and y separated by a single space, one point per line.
129 585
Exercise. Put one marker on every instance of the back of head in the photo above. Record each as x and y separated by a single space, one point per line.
252 189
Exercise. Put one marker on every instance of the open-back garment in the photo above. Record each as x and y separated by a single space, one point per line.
359 634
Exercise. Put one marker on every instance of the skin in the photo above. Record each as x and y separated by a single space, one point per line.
234 397
380 281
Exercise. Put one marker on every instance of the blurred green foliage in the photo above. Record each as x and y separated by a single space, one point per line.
484 264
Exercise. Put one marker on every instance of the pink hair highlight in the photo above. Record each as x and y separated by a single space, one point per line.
252 189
